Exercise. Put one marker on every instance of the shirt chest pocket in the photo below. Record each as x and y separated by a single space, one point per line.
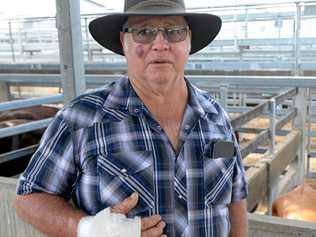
218 180
123 173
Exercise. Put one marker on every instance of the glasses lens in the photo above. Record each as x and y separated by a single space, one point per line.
176 34
144 35
147 35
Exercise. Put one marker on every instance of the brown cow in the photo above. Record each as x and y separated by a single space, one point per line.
20 116
31 113
298 204
21 140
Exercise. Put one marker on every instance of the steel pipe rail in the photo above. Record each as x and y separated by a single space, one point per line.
231 62
279 99
259 130
24 103
263 134
23 128
286 119
256 81
252 145
12 155
203 81
249 115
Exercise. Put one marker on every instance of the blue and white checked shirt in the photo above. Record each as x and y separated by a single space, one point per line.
105 145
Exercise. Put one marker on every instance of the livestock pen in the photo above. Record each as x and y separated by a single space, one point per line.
278 153
274 152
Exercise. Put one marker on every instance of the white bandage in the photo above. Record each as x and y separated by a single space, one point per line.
107 224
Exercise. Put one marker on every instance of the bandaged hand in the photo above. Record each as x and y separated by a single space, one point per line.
112 222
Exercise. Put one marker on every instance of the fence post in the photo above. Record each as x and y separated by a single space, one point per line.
223 91
270 183
309 131
11 42
4 91
299 123
296 47
87 39
70 48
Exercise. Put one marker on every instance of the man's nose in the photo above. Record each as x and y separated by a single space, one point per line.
160 43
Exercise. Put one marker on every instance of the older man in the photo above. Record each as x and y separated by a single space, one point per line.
149 155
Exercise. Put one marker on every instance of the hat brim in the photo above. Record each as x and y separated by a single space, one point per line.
106 30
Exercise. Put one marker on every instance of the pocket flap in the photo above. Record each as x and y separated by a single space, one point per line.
126 162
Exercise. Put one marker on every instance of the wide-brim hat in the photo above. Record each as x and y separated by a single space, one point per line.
106 30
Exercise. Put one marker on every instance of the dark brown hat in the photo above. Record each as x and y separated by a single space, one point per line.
106 30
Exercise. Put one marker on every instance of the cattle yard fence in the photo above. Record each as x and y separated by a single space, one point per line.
286 103
259 225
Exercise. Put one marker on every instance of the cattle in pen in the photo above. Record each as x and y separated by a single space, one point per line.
298 204
31 113
21 116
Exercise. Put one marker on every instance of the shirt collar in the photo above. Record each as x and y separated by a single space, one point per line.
200 101
123 97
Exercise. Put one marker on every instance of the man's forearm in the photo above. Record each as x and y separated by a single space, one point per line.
52 215
238 219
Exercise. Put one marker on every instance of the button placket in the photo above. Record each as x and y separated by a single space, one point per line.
124 173
187 127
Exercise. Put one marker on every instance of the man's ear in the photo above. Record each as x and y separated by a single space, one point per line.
122 38
190 44
122 41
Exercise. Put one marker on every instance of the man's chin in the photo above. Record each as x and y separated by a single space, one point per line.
160 78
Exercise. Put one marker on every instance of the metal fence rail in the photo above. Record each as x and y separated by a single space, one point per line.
280 89
201 81
19 104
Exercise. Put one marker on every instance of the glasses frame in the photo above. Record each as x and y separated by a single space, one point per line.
156 30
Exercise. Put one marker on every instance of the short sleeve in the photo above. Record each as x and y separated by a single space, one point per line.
240 184
52 168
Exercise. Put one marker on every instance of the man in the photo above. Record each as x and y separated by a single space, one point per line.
151 146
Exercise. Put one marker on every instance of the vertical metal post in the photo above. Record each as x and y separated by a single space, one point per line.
87 38
272 124
246 24
4 91
234 99
244 100
297 39
70 48
241 95
11 42
309 130
300 124
223 90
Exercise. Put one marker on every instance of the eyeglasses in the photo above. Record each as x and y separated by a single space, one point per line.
147 35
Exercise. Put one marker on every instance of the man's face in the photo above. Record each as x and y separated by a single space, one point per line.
159 61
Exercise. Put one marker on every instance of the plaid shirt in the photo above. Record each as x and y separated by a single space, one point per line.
105 145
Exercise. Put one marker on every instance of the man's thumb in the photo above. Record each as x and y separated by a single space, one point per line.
126 205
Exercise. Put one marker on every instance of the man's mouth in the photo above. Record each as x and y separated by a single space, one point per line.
159 61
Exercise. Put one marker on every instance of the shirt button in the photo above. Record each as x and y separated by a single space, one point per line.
123 170
187 127
136 110
180 196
